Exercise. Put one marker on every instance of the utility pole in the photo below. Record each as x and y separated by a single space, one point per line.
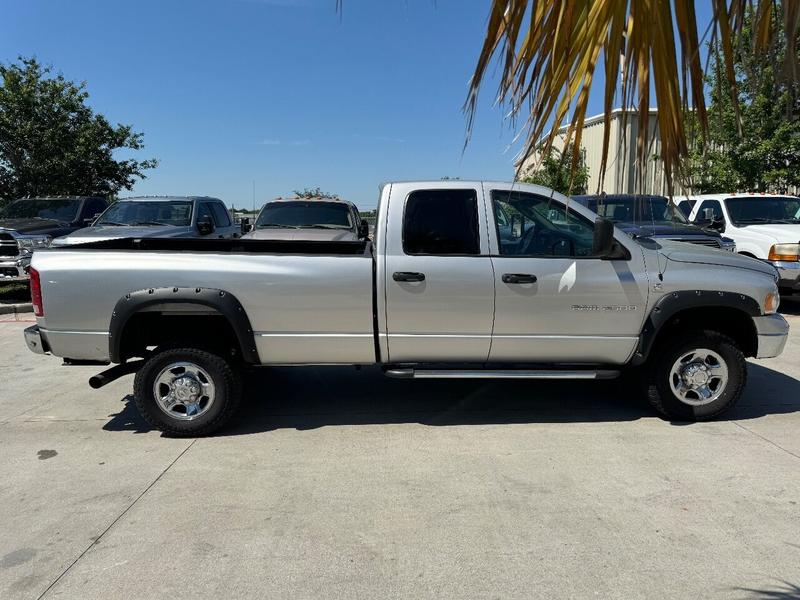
254 195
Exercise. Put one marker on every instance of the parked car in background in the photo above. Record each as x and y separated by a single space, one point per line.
31 223
328 219
764 226
437 295
168 216
654 217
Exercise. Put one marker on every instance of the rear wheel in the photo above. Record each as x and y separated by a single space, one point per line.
695 377
186 391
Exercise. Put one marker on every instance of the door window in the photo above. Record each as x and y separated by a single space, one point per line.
540 226
715 206
221 216
203 211
686 207
441 222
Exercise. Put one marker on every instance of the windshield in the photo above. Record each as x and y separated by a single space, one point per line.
746 210
63 210
157 212
640 210
314 214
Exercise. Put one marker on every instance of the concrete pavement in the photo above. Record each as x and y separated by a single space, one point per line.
340 484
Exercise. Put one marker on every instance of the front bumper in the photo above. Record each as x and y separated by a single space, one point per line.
34 340
788 273
773 331
14 269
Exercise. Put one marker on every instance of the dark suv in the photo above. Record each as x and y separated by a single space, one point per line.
654 217
31 223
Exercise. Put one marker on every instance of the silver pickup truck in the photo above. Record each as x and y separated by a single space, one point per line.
438 294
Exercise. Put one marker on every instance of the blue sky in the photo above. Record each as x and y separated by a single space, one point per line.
280 92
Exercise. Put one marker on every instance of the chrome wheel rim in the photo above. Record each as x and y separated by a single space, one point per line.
184 391
698 377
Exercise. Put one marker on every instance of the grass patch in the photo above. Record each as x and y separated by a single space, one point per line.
15 291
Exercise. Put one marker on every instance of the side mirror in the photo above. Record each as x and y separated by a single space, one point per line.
246 227
603 242
363 230
205 225
516 227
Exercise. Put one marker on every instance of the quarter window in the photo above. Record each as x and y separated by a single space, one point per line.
441 222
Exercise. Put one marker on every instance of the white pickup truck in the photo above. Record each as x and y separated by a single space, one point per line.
464 279
764 226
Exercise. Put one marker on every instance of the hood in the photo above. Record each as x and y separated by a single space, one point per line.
30 226
685 253
309 235
114 232
667 230
781 233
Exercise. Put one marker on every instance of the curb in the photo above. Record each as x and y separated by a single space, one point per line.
13 309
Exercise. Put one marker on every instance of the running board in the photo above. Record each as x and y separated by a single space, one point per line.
501 374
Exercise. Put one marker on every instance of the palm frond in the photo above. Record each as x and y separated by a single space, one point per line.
549 51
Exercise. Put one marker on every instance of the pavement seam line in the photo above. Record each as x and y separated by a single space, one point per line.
769 441
116 520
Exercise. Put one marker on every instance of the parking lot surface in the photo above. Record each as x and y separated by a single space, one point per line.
334 483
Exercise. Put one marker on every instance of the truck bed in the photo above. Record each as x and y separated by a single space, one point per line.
301 309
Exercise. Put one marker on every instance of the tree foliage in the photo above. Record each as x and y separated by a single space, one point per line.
314 193
53 143
555 171
761 152
649 52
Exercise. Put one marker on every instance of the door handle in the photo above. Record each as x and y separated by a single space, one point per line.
408 276
518 278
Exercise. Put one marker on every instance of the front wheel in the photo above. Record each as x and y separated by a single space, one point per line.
186 392
695 377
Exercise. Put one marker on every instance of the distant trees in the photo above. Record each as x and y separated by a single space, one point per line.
314 193
555 171
53 143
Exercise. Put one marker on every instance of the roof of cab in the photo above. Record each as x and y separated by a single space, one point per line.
166 198
736 195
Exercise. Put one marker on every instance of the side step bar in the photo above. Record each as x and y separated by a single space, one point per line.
501 374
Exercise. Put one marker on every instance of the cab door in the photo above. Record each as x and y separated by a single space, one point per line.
438 281
554 300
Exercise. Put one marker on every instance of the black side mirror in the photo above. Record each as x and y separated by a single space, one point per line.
603 242
89 220
246 227
363 230
205 225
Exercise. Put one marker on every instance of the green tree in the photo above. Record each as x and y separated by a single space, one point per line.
314 193
52 143
762 151
555 171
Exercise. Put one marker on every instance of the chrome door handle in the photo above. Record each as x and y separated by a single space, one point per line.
518 278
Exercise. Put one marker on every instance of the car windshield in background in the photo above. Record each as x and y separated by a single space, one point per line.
63 210
748 210
154 213
643 210
302 215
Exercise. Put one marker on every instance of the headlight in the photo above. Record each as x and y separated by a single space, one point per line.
30 243
785 252
772 301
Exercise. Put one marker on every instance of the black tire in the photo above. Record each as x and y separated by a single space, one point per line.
657 374
227 392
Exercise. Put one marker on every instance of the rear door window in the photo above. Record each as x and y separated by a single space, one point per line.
441 222
221 216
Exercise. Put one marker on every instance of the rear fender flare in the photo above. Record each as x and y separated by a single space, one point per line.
220 301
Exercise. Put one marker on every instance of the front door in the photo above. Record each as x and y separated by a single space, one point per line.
555 302
439 283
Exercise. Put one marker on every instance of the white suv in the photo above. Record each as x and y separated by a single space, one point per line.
764 226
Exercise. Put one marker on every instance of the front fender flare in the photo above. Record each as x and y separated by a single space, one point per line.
671 304
221 301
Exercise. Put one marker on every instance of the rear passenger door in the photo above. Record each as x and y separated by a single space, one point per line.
438 275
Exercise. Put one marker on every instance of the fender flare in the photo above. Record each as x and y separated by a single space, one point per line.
672 303
220 301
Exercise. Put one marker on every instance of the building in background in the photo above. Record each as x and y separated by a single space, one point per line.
621 172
